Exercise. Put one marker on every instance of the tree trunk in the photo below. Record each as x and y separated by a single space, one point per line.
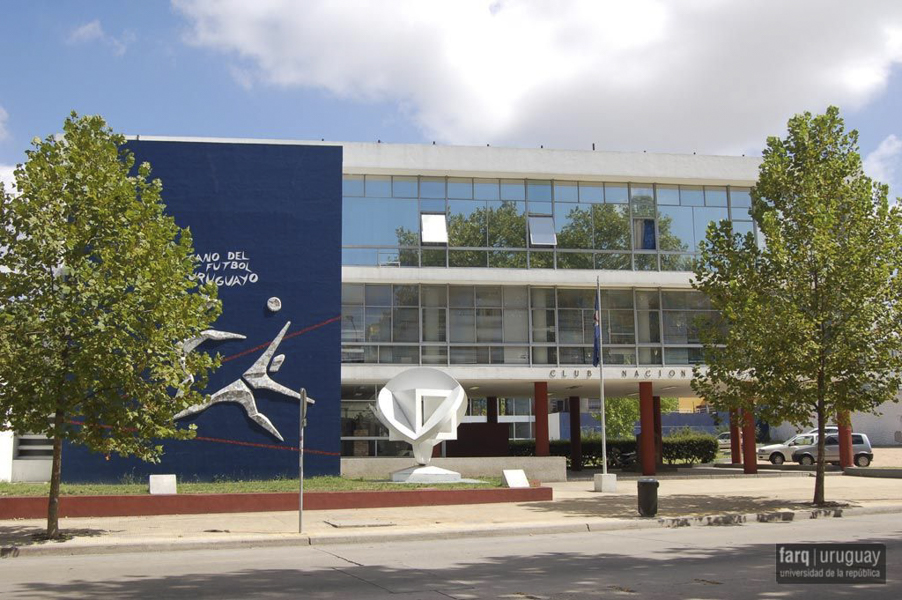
53 529
819 475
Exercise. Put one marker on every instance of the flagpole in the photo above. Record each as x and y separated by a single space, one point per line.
604 435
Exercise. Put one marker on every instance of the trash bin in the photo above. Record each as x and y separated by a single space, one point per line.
648 497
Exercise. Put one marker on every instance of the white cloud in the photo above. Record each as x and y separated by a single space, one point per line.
93 32
6 176
705 75
885 164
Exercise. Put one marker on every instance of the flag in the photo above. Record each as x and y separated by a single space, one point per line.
596 346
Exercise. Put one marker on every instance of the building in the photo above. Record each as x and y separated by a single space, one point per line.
483 261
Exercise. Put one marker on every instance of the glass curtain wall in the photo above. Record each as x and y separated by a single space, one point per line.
536 224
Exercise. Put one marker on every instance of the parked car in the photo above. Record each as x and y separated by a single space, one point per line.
828 429
862 453
723 440
780 453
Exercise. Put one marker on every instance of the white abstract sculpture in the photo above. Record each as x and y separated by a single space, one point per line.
422 407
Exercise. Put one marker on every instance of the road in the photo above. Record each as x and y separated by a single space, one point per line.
697 562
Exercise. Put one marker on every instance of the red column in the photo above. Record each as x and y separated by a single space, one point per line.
576 436
735 453
749 456
659 431
647 428
491 409
540 410
844 420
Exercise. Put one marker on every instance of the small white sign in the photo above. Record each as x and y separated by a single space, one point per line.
162 484
514 478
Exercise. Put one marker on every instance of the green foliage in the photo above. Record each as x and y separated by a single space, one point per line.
693 448
813 315
689 447
621 414
98 295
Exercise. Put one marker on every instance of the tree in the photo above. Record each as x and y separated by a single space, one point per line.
98 298
622 414
813 314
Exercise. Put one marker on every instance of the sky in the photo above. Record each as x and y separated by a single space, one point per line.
705 76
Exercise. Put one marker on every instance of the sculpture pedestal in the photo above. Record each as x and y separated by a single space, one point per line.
425 474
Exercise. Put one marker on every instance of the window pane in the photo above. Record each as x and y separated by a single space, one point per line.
352 354
542 297
432 187
352 323
740 197
378 295
378 324
352 185
434 258
434 355
574 226
379 221
742 227
570 326
612 227
434 325
668 194
358 256
460 187
619 356
645 262
488 325
644 234
565 191
467 258
404 355
571 260
462 296
683 356
677 262
406 325
650 356
516 297
543 326
358 420
507 224
466 223
485 189
378 186
435 229
616 193
513 189
622 327
544 355
616 299
541 231
592 193
507 259
642 199
542 209
613 262
462 325
538 191
703 216
404 187
515 355
692 195
676 228
647 299
488 295
516 325
469 355
352 293
575 355
576 298
715 196
541 260
649 327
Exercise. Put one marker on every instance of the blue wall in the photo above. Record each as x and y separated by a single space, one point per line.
279 206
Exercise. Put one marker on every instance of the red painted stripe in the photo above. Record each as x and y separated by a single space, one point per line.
287 336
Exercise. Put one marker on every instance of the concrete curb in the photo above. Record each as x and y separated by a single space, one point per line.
495 530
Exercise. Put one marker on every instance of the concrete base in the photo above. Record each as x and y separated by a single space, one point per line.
427 474
605 483
162 484
538 468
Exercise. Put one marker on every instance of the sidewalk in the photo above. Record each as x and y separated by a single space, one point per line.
575 508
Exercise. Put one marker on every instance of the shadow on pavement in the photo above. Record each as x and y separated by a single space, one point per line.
27 535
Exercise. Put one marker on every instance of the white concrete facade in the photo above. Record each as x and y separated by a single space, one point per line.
883 428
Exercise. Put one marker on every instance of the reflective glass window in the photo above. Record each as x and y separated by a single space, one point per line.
574 226
406 355
544 355
352 293
352 324
715 195
576 298
685 300
434 324
516 297
467 258
740 197
613 262
507 224
676 228
575 260
537 191
575 355
382 221
544 209
405 325
649 327
645 262
461 296
358 256
541 231
642 199
352 185
619 356
743 227
515 355
404 187
488 295
468 355
543 325
434 355
432 187
570 326
434 229
542 297
616 299
592 193
435 206
612 227
668 195
406 295
467 223
566 191
616 193
460 187
378 324
513 189
541 260
647 299
485 189
650 356
677 262
703 216
378 186
623 327
462 325
507 259
434 258
488 325
378 294
516 325
683 356
692 195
